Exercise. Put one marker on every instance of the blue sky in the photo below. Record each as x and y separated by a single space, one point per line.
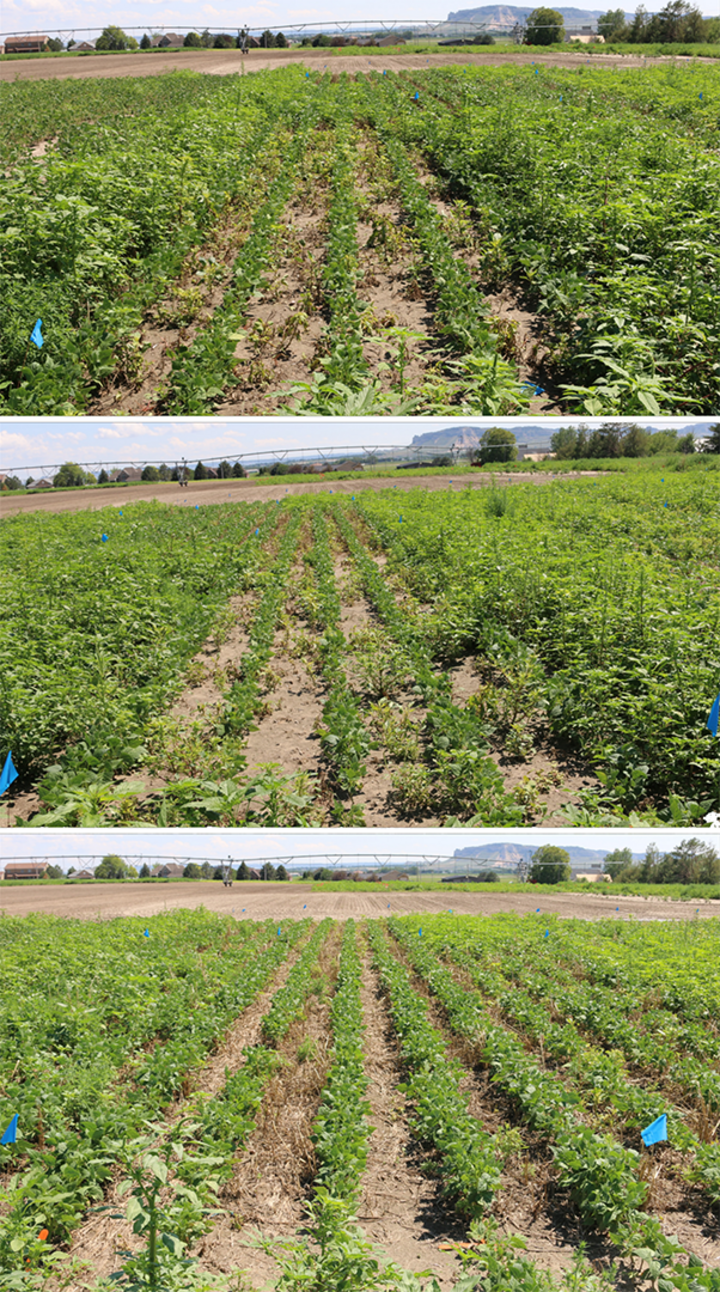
66 847
48 441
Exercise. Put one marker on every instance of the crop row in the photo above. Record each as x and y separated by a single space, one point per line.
81 1137
600 1174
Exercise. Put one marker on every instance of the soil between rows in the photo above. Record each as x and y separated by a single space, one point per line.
262 901
215 62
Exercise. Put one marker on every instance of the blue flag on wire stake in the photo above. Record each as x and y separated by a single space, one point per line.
8 774
714 718
655 1132
10 1135
36 335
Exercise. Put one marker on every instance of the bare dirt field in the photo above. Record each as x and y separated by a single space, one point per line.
262 901
202 492
214 62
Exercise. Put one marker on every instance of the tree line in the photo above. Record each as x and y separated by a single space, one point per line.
678 23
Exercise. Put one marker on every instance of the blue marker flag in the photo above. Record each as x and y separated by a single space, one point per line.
547 933
257 531
279 932
103 538
416 95
8 774
36 335
147 933
714 718
537 910
10 1135
655 1132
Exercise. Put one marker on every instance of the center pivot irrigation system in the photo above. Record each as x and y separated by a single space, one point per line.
361 861
328 458
356 29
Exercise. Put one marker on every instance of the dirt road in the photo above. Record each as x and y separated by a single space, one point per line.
216 62
202 492
261 901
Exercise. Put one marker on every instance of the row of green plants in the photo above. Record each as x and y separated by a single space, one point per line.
561 595
343 734
81 1129
544 1014
569 177
600 1174
457 774
101 229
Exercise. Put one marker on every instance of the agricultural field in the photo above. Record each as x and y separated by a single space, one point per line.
433 1102
505 656
460 239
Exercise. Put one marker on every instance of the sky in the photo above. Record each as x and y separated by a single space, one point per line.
46 442
341 847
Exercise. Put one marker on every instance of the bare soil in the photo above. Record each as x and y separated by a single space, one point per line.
214 62
400 1208
261 901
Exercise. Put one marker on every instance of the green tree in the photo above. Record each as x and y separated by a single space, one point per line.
193 40
239 471
267 871
711 439
281 873
686 443
224 471
200 472
224 41
611 25
70 474
55 44
679 22
192 871
690 862
150 473
144 871
663 442
243 871
496 445
113 867
637 31
650 865
164 472
549 865
112 38
635 441
206 870
281 41
564 442
544 27
146 42
103 477
618 860
54 872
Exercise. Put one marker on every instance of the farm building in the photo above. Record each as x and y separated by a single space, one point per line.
170 40
83 874
84 47
43 483
127 473
169 870
25 869
26 44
